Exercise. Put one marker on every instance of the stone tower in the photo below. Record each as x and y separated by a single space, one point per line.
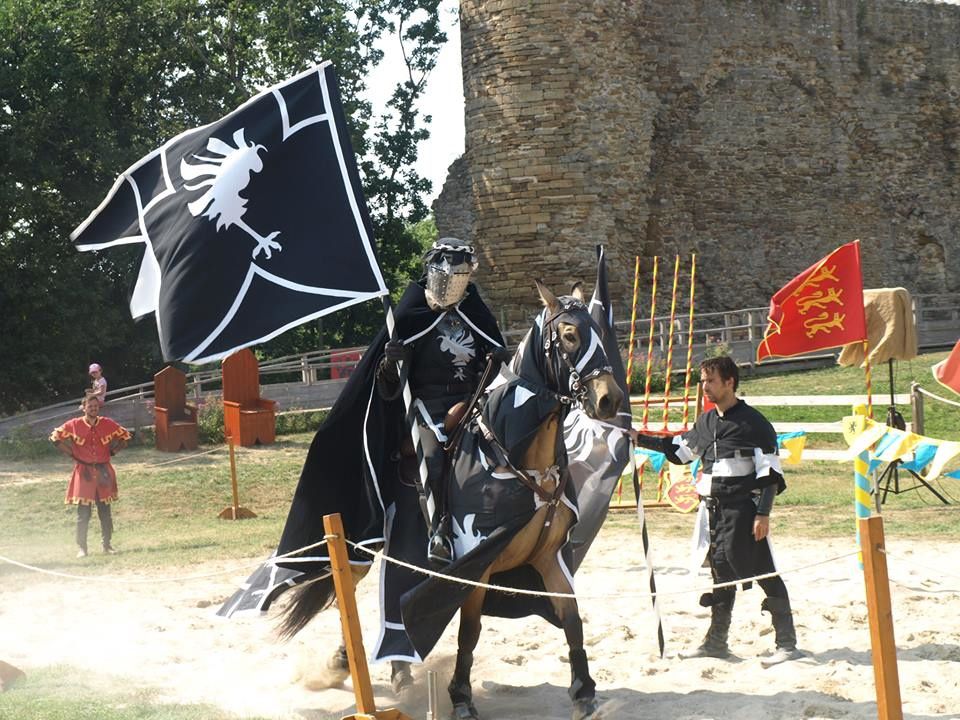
758 134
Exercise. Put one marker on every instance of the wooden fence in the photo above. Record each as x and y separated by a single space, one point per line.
303 381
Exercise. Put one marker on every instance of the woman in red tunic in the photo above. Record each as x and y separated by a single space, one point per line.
90 441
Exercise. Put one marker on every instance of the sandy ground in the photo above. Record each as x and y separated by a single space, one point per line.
166 636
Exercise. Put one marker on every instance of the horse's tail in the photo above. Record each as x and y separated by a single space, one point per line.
307 600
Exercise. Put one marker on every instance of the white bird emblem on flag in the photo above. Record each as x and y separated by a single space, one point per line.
226 177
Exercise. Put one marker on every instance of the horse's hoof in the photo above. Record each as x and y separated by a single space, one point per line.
401 680
324 679
584 708
464 711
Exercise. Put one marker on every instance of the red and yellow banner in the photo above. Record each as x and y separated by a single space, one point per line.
820 308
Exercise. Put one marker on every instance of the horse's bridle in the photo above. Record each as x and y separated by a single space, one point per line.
551 341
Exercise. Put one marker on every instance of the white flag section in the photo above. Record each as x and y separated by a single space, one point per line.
252 225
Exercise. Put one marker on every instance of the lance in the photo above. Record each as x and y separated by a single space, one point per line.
633 321
669 369
686 380
649 372
668 372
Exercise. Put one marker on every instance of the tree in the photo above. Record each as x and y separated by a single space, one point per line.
87 88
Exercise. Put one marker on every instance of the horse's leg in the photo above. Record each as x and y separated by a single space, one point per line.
337 668
582 687
401 676
461 694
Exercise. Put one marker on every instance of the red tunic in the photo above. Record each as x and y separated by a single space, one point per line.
93 476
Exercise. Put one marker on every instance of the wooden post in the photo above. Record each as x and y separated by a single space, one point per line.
350 621
235 512
916 409
233 478
882 645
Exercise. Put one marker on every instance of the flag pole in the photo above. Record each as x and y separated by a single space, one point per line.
686 380
427 503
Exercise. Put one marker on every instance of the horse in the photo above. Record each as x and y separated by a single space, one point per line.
561 358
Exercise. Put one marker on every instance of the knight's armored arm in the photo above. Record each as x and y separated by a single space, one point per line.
389 382
653 442
765 504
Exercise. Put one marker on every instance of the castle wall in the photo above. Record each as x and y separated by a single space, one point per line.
758 134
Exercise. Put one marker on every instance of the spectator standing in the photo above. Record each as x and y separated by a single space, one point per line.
98 385
90 441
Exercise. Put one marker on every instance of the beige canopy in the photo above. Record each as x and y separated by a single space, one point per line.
891 330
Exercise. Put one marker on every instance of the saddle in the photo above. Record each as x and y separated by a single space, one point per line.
407 467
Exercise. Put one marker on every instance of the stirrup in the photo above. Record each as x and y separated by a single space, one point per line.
439 551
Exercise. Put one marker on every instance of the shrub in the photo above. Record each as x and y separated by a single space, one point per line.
299 422
210 422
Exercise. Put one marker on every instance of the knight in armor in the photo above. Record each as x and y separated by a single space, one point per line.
741 476
444 336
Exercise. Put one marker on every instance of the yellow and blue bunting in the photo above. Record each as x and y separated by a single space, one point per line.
883 444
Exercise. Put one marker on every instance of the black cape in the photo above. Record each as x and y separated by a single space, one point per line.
351 466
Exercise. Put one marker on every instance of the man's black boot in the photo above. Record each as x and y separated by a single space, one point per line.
784 631
715 641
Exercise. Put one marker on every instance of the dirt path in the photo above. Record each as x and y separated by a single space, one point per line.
166 636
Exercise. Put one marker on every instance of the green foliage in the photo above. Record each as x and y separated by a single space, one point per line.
89 87
717 349
300 422
638 375
23 445
210 423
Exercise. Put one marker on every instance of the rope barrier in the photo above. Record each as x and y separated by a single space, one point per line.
574 596
937 397
139 581
914 563
473 583
185 457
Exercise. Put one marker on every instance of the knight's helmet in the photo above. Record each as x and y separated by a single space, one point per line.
448 264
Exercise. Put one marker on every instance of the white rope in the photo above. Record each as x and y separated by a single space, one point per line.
138 581
937 397
520 591
934 571
185 457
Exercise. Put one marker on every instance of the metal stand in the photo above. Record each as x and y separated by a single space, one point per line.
889 480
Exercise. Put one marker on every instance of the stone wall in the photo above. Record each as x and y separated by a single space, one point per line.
758 135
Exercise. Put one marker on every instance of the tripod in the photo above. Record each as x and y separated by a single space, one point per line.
889 480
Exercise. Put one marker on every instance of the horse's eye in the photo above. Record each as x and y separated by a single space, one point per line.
571 340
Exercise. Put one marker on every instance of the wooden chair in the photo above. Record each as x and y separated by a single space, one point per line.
247 418
175 420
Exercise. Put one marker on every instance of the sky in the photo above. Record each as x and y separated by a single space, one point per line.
443 99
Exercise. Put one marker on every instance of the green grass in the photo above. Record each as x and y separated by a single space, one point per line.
55 694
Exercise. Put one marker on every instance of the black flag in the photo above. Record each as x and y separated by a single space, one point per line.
252 225
598 452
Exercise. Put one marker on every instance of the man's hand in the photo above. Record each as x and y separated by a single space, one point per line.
394 351
761 527
500 356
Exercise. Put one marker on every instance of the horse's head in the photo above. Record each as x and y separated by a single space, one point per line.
576 361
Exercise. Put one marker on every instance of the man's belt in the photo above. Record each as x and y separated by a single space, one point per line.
430 392
714 503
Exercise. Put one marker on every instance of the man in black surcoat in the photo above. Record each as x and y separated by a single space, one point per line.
443 355
741 475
